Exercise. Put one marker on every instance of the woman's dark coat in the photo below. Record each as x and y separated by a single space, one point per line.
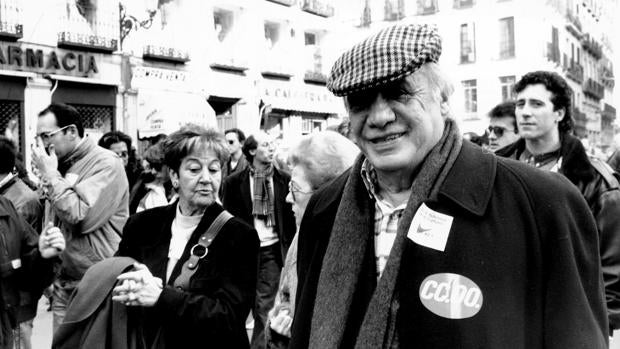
212 313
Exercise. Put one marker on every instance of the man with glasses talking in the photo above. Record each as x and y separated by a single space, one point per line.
502 126
87 196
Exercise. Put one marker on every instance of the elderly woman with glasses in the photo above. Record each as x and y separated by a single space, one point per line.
195 283
314 161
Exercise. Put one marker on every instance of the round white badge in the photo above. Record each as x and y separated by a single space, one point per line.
451 296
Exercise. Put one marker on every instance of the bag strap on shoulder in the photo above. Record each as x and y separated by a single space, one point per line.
200 250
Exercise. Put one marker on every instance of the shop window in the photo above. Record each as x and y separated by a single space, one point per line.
507 84
468 43
96 119
507 38
470 91
311 125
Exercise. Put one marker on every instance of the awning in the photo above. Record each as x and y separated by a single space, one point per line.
166 111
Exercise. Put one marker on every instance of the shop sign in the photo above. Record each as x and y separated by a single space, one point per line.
150 77
56 61
300 97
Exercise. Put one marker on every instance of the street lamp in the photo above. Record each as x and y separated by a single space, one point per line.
129 22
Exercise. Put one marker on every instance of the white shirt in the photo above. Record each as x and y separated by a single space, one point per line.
182 229
266 235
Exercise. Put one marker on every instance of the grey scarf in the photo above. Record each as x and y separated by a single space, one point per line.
343 259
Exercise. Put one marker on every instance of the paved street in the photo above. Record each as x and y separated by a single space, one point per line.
42 331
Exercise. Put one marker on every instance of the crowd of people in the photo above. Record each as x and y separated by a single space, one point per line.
390 231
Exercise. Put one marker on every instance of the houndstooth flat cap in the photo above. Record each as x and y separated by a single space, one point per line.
386 56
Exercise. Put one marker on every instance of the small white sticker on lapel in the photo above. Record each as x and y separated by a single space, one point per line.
430 228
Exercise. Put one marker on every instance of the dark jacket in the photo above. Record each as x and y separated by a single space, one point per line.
524 237
28 205
242 164
212 313
21 266
601 190
237 200
93 320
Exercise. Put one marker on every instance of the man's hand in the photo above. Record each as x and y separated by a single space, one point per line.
138 287
281 323
46 164
51 242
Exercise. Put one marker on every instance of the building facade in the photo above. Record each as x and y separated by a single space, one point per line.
489 44
146 67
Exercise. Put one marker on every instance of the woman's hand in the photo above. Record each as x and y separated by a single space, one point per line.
281 323
138 287
51 242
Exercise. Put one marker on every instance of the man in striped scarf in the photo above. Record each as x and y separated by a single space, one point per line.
257 195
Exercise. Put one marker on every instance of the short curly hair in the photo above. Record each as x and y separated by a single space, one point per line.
190 138
561 93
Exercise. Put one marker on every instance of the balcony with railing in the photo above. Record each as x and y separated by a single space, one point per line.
165 54
11 28
575 72
85 25
573 24
318 7
594 89
284 2
592 46
314 65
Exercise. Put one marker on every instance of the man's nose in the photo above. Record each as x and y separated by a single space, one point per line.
380 113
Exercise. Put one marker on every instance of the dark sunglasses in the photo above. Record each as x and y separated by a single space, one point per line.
498 130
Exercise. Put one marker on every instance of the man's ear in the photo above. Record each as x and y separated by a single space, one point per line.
444 108
561 112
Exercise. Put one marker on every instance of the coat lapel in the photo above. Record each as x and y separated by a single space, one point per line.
246 194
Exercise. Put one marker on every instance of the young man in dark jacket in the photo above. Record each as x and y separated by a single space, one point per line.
543 113
25 264
431 242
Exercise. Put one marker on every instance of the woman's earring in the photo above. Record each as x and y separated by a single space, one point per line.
175 184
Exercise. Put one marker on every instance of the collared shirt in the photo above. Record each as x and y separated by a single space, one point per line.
386 218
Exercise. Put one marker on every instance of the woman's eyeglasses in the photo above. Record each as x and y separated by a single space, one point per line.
293 190
498 130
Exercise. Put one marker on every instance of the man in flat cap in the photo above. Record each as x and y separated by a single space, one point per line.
429 241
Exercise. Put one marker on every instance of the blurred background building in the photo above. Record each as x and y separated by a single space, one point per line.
489 44
146 66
